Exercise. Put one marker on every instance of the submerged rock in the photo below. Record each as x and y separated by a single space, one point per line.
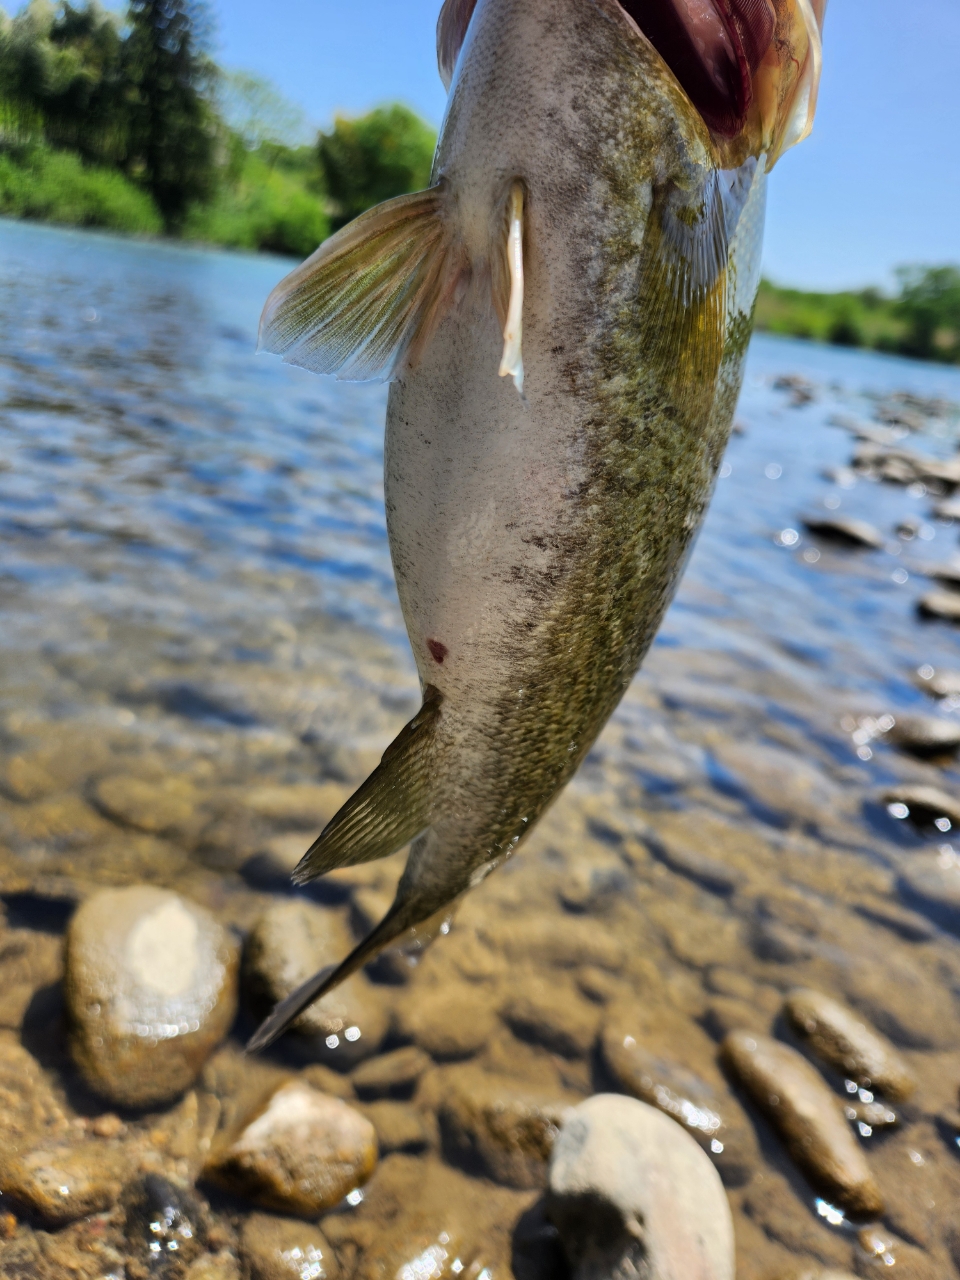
392 1075
631 1195
285 1249
61 1181
940 604
150 989
845 530
809 1119
922 804
553 1015
940 684
931 882
925 735
166 1228
709 873
399 1126
287 945
842 1039
448 1022
714 1121
497 1126
301 1154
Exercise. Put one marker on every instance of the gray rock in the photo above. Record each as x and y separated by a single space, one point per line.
632 1195
391 1075
940 604
289 943
939 684
931 882
496 1126
808 1117
285 1249
841 1038
925 735
714 1121
923 804
845 530
715 876
151 989
301 1154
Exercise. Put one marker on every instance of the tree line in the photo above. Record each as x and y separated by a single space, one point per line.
127 121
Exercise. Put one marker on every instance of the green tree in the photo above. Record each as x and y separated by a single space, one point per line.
929 303
173 129
376 156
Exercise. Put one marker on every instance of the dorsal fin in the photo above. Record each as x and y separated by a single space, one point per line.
451 32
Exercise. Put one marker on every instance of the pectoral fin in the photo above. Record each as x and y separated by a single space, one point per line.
390 808
510 288
369 296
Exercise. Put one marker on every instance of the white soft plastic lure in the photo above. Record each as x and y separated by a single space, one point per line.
592 235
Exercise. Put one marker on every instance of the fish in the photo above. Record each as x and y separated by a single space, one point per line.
562 317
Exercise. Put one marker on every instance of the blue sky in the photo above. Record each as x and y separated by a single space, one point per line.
878 183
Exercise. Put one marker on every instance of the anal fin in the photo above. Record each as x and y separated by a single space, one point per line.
369 296
387 810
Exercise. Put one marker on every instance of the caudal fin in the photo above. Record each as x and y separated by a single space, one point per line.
370 295
390 808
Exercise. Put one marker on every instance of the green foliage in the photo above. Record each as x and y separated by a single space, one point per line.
923 321
172 125
374 157
266 206
929 305
57 187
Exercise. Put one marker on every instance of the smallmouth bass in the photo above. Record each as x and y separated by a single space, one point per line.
592 236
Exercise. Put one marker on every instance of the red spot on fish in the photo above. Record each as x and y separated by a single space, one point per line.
438 651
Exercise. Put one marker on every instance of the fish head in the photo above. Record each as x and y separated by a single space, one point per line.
749 68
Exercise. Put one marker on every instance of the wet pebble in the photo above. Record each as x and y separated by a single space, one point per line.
938 683
714 1121
301 1154
712 875
931 882
285 1249
923 804
287 945
151 989
391 1075
808 1117
925 735
166 1227
631 1194
944 605
553 1015
845 530
496 1126
157 806
843 1040
61 1181
399 1126
448 1022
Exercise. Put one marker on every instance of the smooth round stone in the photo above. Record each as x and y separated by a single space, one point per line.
808 1117
290 942
940 604
924 803
301 1154
925 735
932 883
151 989
285 1249
631 1194
392 1075
845 530
841 1038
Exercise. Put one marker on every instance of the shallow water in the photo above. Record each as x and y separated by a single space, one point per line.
195 580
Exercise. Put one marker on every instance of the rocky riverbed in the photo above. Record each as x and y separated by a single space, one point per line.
719 987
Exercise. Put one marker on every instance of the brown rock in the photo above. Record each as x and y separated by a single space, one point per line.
554 1015
567 942
159 806
808 1117
301 1154
150 988
399 1126
499 1127
61 1181
288 944
844 1041
29 960
449 1022
392 1075
285 1249
306 805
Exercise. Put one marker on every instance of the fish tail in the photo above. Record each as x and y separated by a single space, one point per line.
390 808
418 911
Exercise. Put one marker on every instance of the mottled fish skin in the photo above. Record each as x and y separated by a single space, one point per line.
538 538
537 542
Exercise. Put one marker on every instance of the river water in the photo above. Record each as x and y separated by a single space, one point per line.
195 581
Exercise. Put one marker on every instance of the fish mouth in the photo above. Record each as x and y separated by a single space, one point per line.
714 48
